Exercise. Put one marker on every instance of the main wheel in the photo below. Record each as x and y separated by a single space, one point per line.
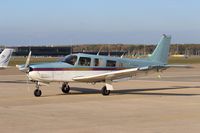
105 92
37 93
65 89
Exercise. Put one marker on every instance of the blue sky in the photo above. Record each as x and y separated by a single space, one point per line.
98 21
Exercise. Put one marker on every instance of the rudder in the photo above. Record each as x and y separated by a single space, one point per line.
161 52
5 57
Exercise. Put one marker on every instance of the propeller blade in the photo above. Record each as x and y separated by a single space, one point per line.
28 60
27 84
25 67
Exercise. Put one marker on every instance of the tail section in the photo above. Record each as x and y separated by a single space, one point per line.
5 57
161 52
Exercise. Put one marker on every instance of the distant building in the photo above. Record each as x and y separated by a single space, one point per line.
43 50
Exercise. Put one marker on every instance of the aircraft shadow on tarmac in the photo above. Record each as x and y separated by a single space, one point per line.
147 91
13 81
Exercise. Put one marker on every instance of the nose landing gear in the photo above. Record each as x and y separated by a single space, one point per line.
37 91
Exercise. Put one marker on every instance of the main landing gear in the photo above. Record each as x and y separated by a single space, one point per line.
107 88
37 91
65 88
104 91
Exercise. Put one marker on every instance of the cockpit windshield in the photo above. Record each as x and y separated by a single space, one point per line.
71 59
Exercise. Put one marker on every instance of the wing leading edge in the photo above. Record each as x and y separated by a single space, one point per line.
120 74
109 75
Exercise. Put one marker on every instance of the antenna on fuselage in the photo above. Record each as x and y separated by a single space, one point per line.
100 50
122 55
108 50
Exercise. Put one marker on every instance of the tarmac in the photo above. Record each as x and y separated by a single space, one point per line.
170 104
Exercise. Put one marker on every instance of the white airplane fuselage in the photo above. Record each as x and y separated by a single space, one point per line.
64 72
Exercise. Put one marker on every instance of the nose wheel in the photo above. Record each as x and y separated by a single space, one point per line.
104 91
37 91
65 88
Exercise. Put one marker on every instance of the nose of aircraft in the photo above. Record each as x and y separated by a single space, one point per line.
32 75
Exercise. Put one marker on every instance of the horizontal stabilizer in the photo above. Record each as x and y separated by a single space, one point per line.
178 66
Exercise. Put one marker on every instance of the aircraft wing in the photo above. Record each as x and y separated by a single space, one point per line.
126 73
120 74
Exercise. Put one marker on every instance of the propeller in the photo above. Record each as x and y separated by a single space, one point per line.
28 60
27 84
25 68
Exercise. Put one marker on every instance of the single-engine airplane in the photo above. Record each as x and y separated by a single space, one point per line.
95 68
5 58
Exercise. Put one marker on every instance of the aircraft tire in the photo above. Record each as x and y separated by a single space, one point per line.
105 92
37 93
65 89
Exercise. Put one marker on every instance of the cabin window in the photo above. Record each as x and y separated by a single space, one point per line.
110 63
70 59
84 61
96 62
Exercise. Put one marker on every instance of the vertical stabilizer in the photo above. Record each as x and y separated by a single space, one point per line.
5 57
161 52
